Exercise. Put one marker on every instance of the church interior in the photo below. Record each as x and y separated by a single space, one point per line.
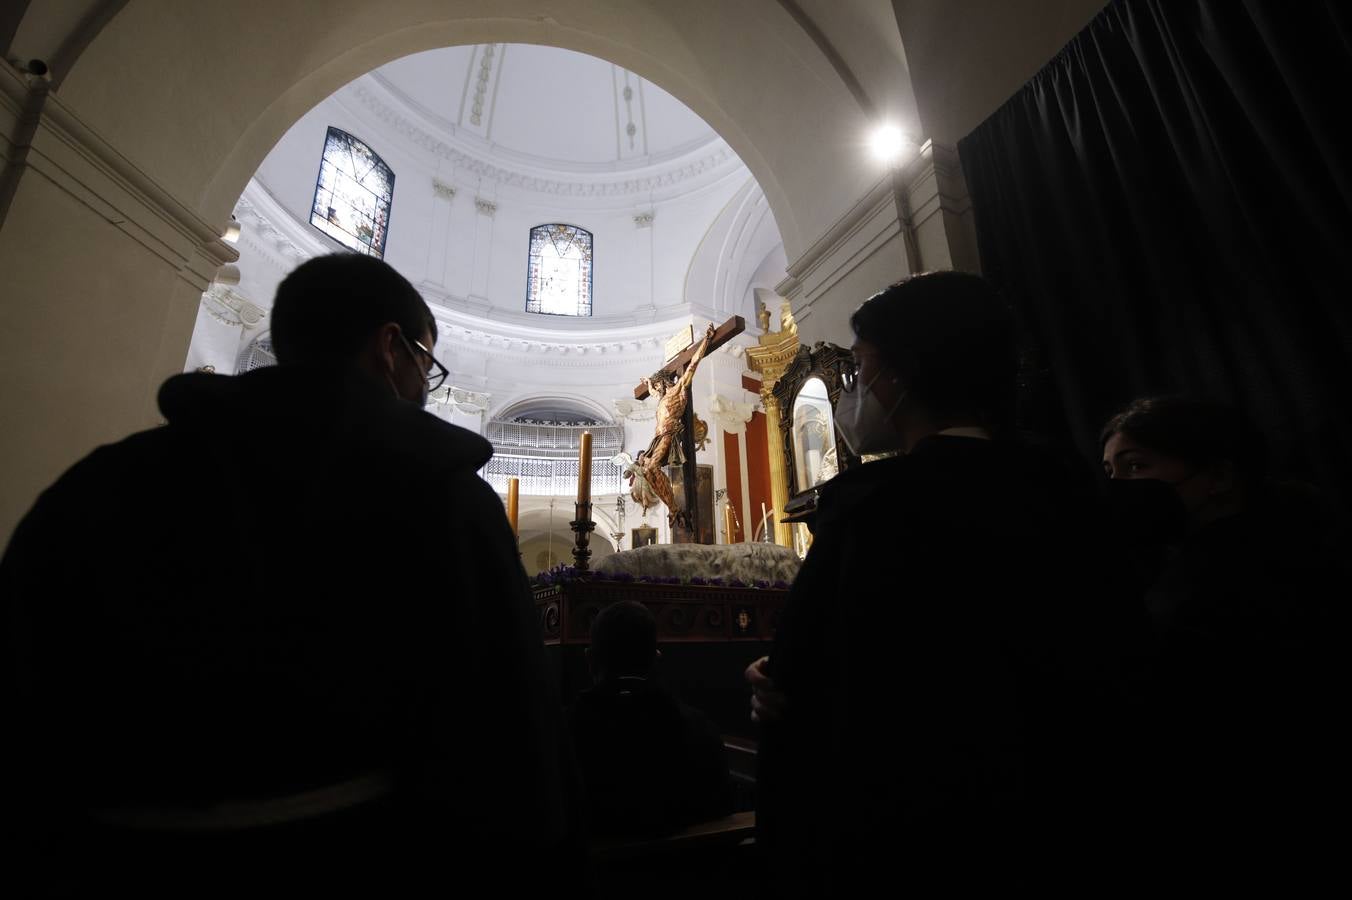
641 230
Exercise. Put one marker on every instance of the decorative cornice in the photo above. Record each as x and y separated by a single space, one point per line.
274 225
64 149
881 194
603 185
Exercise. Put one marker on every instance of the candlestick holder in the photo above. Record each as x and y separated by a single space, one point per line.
582 526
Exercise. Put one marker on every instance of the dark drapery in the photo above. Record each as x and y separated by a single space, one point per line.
1168 204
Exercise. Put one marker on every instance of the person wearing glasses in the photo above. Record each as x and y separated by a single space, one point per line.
284 642
913 707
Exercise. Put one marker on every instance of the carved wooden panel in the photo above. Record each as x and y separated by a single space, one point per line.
684 612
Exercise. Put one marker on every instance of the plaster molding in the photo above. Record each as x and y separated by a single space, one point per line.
833 254
229 307
277 227
631 410
442 189
60 146
605 183
477 313
644 219
731 415
461 400
481 84
485 207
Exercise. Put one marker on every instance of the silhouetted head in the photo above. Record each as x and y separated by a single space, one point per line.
347 309
623 642
938 350
1210 453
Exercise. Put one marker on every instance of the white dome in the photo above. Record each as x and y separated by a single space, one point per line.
544 106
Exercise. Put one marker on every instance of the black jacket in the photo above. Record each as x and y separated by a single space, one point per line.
948 656
296 580
649 763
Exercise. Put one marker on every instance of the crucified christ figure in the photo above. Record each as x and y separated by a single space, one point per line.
665 449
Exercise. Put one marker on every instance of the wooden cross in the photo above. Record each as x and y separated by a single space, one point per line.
673 370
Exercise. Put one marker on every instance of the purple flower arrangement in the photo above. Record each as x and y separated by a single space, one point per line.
563 574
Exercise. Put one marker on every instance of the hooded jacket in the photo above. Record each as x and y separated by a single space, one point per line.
296 580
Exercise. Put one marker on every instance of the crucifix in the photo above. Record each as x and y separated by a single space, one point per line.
674 442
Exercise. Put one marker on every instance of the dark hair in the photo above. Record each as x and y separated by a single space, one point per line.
328 307
1198 432
624 639
950 339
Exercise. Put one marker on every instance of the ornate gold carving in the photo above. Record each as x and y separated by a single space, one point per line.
774 352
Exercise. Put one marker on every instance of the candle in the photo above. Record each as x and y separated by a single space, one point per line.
584 469
765 517
727 524
513 494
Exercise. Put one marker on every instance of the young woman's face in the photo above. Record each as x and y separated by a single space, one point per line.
1124 458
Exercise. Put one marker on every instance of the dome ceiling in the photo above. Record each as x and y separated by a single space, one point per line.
546 107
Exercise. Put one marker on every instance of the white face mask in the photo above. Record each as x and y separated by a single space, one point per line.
863 423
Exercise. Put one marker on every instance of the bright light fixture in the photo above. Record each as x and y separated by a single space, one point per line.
231 233
887 143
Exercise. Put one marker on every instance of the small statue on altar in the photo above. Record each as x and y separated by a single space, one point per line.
640 491
665 448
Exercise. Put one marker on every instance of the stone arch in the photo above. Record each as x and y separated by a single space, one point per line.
235 90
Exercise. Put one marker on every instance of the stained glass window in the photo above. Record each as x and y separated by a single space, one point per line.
559 271
352 196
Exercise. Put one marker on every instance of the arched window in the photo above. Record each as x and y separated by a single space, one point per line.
352 196
559 271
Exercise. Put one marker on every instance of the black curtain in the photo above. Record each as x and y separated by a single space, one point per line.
1168 205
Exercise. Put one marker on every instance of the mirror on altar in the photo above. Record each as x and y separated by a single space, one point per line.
813 435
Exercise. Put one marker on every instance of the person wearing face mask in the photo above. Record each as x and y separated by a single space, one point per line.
1241 683
246 650
917 710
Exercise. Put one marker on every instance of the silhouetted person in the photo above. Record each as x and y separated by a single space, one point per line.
650 764
1244 770
941 681
284 641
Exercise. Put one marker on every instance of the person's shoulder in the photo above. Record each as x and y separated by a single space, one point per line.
111 464
433 442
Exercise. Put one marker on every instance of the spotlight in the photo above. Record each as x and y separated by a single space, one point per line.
887 143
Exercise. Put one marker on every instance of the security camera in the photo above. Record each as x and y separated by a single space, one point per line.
34 69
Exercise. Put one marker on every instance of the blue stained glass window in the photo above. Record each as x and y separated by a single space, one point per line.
352 196
559 271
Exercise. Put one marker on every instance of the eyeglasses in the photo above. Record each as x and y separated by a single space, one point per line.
849 376
436 373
